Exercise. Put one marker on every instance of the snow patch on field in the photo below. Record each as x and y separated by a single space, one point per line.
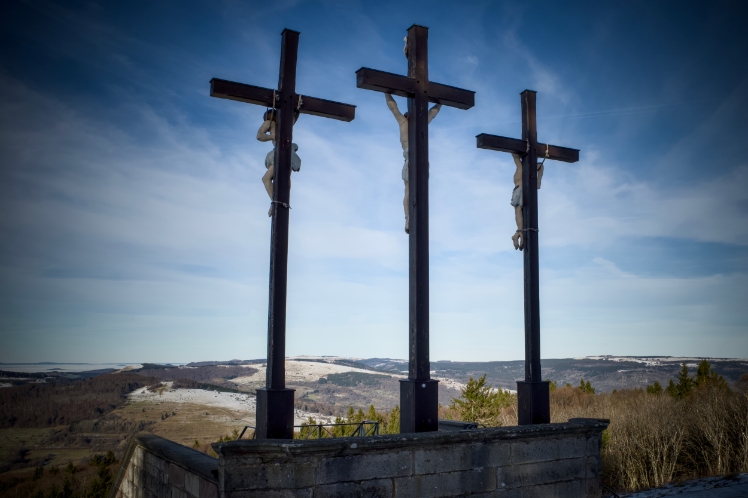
232 401
245 403
449 383
302 371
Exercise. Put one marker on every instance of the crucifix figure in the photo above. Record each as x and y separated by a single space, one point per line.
518 238
275 402
533 393
266 133
419 393
402 120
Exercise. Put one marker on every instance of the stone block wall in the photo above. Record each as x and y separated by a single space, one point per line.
549 460
154 467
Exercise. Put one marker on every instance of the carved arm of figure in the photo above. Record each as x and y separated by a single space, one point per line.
434 111
393 108
266 133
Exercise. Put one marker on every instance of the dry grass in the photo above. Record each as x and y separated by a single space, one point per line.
186 422
656 439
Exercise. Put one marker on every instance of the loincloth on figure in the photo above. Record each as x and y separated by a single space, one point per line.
295 159
517 196
405 166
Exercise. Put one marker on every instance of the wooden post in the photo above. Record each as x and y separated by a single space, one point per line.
419 394
275 402
533 393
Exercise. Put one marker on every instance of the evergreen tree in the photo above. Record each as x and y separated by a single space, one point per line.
705 374
309 430
481 403
393 427
586 387
67 488
99 487
683 387
655 388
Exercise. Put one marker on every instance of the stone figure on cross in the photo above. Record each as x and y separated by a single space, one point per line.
266 133
402 120
519 238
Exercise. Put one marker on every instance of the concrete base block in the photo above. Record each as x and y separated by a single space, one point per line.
534 402
274 414
419 406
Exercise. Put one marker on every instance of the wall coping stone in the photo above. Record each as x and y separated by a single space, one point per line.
361 445
191 460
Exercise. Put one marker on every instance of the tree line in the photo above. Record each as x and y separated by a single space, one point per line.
64 402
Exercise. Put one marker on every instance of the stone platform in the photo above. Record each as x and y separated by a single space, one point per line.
547 460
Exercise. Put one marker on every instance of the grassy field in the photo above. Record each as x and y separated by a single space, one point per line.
186 423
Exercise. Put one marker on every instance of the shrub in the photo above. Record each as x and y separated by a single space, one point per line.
481 403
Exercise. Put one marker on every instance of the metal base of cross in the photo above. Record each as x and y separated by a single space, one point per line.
419 405
534 402
274 414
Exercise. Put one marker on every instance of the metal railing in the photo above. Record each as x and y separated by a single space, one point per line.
458 425
309 431
606 488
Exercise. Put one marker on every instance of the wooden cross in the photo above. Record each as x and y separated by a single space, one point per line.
533 392
275 402
419 393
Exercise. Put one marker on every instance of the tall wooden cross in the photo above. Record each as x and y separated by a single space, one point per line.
419 393
533 392
275 402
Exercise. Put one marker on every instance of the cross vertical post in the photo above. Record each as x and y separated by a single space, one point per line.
533 393
419 393
275 402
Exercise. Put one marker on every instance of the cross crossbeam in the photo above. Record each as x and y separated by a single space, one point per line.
275 402
404 86
250 94
533 392
419 393
514 146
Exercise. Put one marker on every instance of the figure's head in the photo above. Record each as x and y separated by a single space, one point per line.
405 115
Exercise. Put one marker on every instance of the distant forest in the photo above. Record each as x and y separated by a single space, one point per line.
209 373
63 402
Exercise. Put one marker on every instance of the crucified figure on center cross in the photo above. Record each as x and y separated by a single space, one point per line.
402 120
519 236
266 133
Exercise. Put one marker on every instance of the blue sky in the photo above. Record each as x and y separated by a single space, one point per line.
134 223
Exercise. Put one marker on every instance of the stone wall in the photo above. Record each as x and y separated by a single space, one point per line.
549 460
154 467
